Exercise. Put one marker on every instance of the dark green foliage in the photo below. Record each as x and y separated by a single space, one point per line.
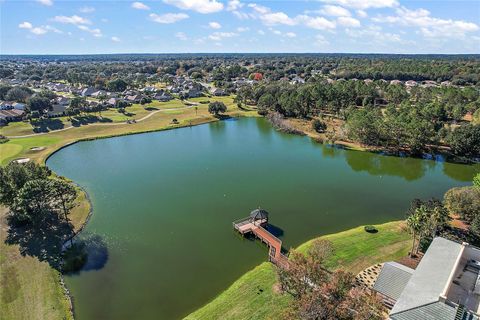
319 126
3 139
74 258
38 103
20 94
371 229
465 140
117 85
217 107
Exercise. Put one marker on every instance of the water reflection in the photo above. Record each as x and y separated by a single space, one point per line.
408 168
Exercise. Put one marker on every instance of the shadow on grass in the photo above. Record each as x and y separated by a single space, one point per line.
151 108
88 119
46 125
42 240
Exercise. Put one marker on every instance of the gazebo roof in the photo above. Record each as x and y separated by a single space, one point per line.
259 214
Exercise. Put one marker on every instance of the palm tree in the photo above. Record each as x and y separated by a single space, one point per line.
414 222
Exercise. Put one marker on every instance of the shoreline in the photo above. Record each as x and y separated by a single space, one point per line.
44 159
67 292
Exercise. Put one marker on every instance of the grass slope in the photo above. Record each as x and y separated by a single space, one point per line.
355 250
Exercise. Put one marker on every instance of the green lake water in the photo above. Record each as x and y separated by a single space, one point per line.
161 233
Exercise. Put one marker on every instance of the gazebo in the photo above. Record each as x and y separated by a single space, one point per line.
259 215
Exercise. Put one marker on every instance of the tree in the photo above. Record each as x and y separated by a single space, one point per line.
216 108
319 126
476 180
14 176
78 104
117 85
463 202
20 94
64 195
33 201
3 91
465 140
414 222
323 295
39 104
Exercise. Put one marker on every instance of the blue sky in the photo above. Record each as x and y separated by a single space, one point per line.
175 26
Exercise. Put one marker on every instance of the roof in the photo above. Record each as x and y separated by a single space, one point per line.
259 214
431 276
432 311
392 279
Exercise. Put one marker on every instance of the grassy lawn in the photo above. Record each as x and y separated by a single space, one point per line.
355 250
31 289
20 147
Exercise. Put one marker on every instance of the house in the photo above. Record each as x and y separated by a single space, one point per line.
134 98
6 105
18 106
162 96
11 115
444 286
411 83
63 101
445 83
112 101
394 82
98 94
368 81
57 111
87 92
218 92
297 80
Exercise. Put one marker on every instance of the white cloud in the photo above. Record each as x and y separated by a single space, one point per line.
76 20
140 6
362 13
429 26
218 36
53 29
234 5
348 22
181 35
261 32
116 39
87 9
335 11
46 2
364 4
201 6
290 34
214 25
375 34
95 32
258 8
319 23
274 18
243 29
38 30
25 25
168 17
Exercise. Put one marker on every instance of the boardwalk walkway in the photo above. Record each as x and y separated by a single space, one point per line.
245 226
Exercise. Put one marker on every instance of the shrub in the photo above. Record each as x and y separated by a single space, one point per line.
319 126
371 229
3 139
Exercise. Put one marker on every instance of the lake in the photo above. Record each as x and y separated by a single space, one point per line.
161 236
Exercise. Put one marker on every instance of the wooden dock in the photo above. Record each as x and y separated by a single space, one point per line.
256 227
